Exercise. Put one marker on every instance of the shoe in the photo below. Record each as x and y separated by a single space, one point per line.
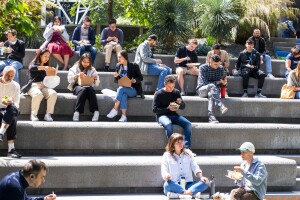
123 118
185 196
172 195
34 118
223 109
13 154
197 195
106 68
212 119
95 116
76 116
112 113
245 95
142 95
1 137
270 76
260 95
182 93
48 117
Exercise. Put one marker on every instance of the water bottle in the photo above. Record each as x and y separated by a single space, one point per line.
1 51
182 182
212 186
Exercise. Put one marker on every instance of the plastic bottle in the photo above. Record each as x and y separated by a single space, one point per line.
212 186
182 182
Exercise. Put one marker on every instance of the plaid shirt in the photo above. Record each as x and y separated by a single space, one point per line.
209 75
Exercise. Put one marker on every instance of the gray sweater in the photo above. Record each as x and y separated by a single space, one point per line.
143 57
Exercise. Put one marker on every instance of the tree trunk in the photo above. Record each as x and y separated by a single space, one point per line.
110 10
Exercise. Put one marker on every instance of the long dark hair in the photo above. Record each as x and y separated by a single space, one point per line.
85 55
124 54
37 58
56 18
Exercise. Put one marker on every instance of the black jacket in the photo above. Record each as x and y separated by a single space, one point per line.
133 72
261 48
18 52
246 58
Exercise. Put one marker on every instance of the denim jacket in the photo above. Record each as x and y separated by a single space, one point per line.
144 56
257 176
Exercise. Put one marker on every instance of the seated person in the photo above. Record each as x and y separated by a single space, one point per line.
223 56
166 102
15 51
185 55
38 90
56 41
177 164
212 77
253 184
293 80
149 65
292 59
112 40
132 71
84 38
249 63
83 67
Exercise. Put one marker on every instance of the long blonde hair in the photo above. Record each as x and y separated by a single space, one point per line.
297 72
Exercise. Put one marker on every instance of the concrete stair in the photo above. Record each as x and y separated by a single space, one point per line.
282 46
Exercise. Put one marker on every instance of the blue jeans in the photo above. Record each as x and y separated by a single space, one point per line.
267 59
93 51
162 72
168 120
16 64
297 95
123 93
194 187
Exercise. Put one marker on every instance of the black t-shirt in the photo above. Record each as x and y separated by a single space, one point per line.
162 100
183 52
18 52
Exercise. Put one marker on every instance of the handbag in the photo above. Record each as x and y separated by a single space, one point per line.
287 92
25 88
124 81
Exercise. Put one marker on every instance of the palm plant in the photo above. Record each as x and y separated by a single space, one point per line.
219 17
171 21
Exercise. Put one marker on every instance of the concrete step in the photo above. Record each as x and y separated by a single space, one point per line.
123 174
297 186
167 59
240 109
61 138
272 87
298 171
284 44
279 39
295 157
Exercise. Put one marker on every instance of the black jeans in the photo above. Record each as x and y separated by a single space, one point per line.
82 94
247 73
9 116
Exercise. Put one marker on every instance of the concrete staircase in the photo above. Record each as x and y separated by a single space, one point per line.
282 46
111 160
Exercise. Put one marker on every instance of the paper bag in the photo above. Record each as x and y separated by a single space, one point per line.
124 81
287 92
50 71
85 81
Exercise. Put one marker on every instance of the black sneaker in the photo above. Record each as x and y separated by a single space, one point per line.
1 137
212 119
13 154
106 68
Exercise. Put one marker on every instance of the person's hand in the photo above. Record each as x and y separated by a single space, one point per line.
238 169
56 28
158 61
171 108
178 100
133 80
187 58
116 74
1 44
80 42
8 50
50 197
110 39
205 180
10 101
81 74
167 177
223 82
94 76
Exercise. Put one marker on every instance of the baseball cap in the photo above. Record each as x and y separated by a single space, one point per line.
247 146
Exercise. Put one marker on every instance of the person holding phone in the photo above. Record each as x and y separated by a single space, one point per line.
167 101
212 77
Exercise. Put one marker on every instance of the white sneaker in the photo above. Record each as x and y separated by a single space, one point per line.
76 116
270 76
112 113
95 116
123 118
172 195
197 195
34 118
48 117
185 196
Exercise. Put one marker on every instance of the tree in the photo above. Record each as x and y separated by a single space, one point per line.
171 21
219 17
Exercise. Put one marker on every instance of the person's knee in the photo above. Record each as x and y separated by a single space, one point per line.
53 94
37 95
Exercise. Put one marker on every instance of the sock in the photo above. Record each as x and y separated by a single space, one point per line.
258 91
245 91
2 130
11 146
